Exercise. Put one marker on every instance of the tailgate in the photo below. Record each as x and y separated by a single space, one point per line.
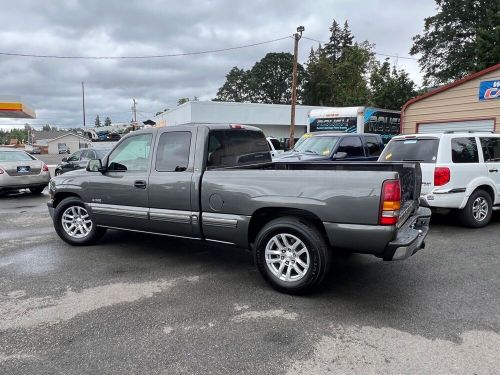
410 175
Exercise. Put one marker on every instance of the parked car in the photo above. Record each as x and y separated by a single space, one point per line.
335 146
63 149
277 148
20 170
35 151
217 183
460 171
79 160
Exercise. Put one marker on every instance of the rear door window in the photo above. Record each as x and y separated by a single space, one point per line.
464 150
373 146
237 147
423 150
491 148
173 152
352 146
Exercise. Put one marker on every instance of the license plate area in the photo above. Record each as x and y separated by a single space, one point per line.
23 169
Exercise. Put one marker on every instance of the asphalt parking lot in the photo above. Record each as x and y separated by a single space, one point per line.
145 304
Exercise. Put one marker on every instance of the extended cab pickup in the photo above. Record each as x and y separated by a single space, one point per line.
217 183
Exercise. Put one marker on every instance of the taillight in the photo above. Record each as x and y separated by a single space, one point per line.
390 202
45 168
442 176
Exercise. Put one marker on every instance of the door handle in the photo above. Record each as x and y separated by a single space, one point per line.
493 170
139 184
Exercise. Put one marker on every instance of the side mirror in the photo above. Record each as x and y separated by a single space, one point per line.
95 165
64 160
340 155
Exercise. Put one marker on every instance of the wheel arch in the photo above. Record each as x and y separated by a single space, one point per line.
63 195
264 215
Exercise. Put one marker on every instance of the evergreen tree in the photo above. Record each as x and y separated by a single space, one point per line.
390 88
107 121
97 121
463 37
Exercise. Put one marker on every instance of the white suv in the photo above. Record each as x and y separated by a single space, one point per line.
459 171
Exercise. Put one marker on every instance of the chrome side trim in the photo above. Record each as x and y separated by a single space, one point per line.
172 216
219 220
118 210
146 232
451 191
223 242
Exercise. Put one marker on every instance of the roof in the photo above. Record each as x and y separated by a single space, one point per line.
51 134
445 134
68 134
451 85
13 107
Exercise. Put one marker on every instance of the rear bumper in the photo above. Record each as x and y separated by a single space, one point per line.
21 182
410 237
451 199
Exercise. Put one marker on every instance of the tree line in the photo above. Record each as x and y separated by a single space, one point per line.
462 38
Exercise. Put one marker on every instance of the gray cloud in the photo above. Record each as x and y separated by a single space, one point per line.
118 28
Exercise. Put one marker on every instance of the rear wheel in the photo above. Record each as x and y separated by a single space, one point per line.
292 255
73 223
477 212
37 189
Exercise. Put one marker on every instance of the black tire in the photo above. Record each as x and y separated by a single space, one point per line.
93 235
58 172
37 189
467 214
319 251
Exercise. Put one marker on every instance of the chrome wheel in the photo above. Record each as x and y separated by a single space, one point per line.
76 222
287 257
480 208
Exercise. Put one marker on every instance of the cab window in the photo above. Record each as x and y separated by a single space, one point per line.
173 152
132 154
352 146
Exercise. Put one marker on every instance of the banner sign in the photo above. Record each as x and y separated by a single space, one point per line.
489 90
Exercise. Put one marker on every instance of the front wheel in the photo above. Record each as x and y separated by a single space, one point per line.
478 210
58 172
73 223
292 255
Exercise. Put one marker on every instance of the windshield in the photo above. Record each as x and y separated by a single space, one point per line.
15 156
423 150
320 145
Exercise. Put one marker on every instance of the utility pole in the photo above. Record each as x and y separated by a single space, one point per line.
297 37
83 103
134 110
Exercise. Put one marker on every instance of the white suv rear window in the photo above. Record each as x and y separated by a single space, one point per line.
414 149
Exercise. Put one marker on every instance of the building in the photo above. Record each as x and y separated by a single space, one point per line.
13 107
472 103
273 119
42 137
73 142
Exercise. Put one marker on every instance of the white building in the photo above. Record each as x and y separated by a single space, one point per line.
273 119
73 141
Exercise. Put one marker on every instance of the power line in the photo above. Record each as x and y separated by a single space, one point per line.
141 57
376 53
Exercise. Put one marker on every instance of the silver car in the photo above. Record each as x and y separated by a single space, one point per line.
20 170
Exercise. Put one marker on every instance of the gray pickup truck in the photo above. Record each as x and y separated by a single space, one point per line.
218 183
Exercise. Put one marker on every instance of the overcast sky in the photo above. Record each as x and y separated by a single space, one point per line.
130 28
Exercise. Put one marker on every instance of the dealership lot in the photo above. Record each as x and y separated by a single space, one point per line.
146 304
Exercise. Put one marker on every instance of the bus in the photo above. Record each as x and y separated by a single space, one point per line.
385 122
